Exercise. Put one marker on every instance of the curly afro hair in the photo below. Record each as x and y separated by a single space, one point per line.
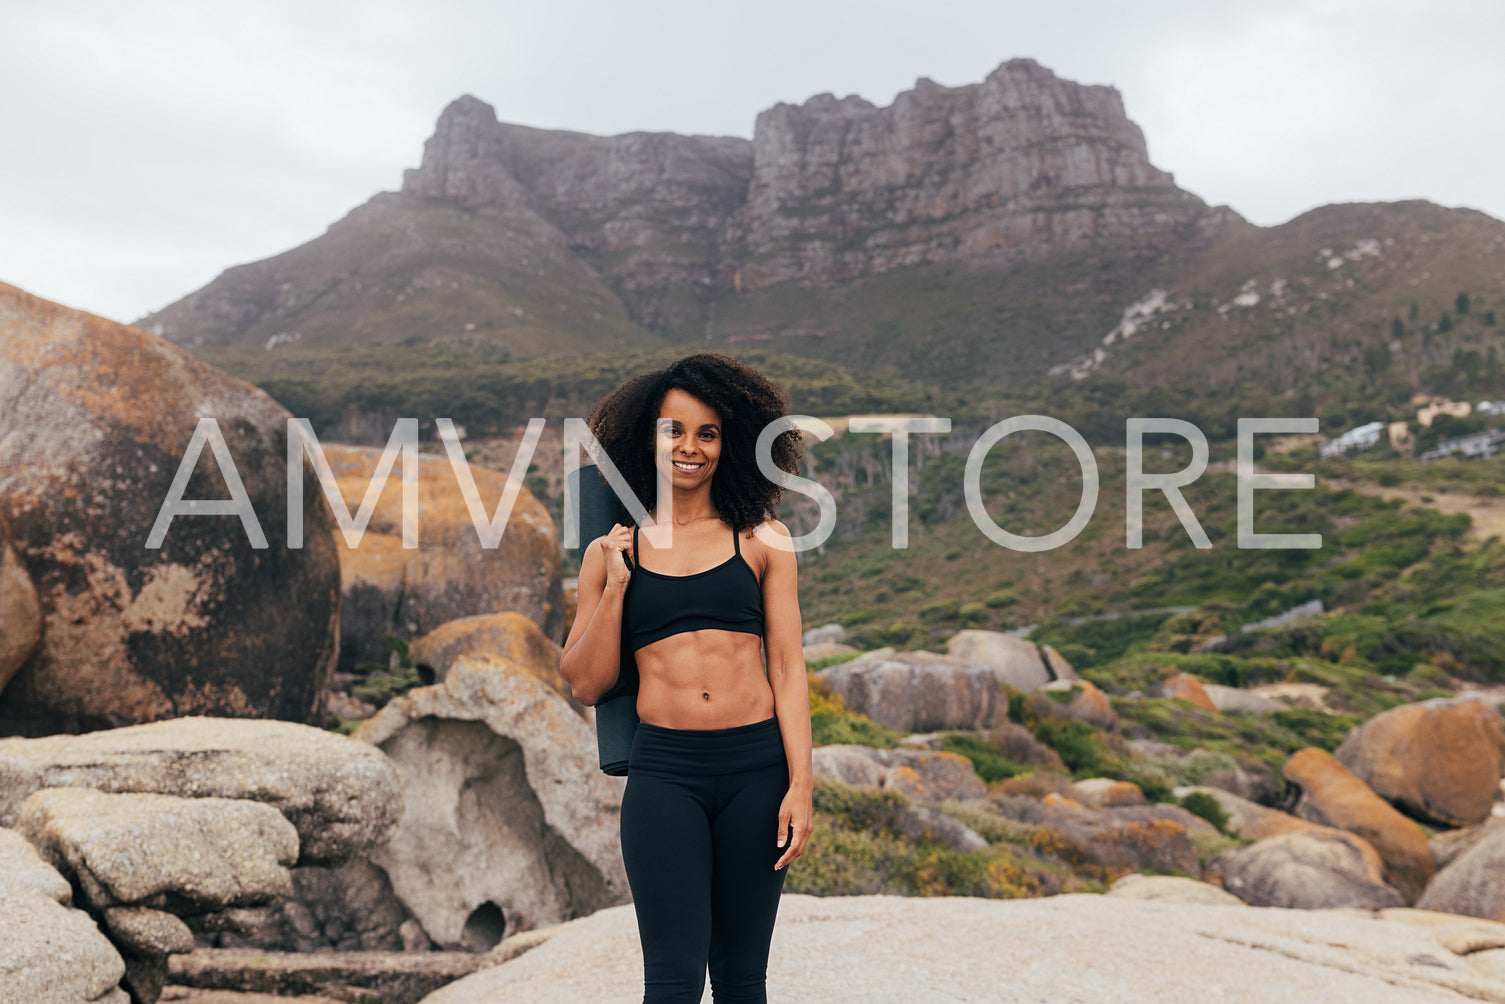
747 401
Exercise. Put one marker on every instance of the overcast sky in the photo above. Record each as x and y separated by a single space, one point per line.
149 145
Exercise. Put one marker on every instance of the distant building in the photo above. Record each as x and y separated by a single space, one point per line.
1361 438
1477 444
1458 409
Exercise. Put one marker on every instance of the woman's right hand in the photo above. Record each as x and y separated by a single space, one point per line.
614 545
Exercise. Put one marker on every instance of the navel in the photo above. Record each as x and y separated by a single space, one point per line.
704 696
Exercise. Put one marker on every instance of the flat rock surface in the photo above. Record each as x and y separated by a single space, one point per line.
867 949
138 847
342 795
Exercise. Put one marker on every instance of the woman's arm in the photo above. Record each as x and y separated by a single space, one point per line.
592 652
782 636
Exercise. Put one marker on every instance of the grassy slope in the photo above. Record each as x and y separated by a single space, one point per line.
1411 597
410 271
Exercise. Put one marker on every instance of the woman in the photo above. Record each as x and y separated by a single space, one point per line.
719 781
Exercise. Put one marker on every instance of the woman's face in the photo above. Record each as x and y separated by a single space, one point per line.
686 439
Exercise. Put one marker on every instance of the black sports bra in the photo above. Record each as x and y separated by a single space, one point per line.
656 606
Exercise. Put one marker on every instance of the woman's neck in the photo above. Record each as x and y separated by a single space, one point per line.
690 507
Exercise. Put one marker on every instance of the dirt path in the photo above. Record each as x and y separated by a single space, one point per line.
1488 513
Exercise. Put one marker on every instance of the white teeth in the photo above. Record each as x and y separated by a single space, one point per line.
687 467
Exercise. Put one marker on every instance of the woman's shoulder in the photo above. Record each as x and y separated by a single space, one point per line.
764 533
770 526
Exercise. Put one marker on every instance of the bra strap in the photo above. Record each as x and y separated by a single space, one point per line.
632 562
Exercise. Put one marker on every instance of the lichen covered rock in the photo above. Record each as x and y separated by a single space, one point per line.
1306 869
1332 796
1440 759
341 796
450 574
136 634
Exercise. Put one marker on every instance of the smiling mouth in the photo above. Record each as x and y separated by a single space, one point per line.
687 467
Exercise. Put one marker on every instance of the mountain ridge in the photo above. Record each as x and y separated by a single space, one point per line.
993 232
825 192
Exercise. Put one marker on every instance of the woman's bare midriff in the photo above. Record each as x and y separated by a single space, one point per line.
706 679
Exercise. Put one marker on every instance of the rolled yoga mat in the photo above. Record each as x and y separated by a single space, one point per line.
617 710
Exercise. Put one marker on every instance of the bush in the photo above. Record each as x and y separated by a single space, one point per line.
381 685
971 614
856 850
1153 782
988 760
343 726
1077 743
874 809
831 723
843 862
1316 728
1199 803
899 634
827 661
828 729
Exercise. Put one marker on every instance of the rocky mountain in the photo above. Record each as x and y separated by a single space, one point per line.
629 239
990 232
1017 167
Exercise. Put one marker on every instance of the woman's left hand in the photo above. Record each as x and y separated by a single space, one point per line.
795 811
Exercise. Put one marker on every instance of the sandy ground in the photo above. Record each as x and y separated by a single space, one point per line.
1488 513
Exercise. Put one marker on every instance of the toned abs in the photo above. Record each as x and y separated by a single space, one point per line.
705 679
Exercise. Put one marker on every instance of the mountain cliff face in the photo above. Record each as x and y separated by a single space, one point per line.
1017 167
649 212
990 234
548 240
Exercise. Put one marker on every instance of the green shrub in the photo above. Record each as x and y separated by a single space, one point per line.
381 685
855 850
993 828
941 610
1210 845
1316 728
1191 768
379 688
873 809
901 635
988 760
827 661
1077 655
1076 743
828 728
343 726
831 722
1199 803
971 614
841 862
1150 780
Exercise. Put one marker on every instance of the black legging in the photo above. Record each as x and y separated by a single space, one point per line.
700 818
